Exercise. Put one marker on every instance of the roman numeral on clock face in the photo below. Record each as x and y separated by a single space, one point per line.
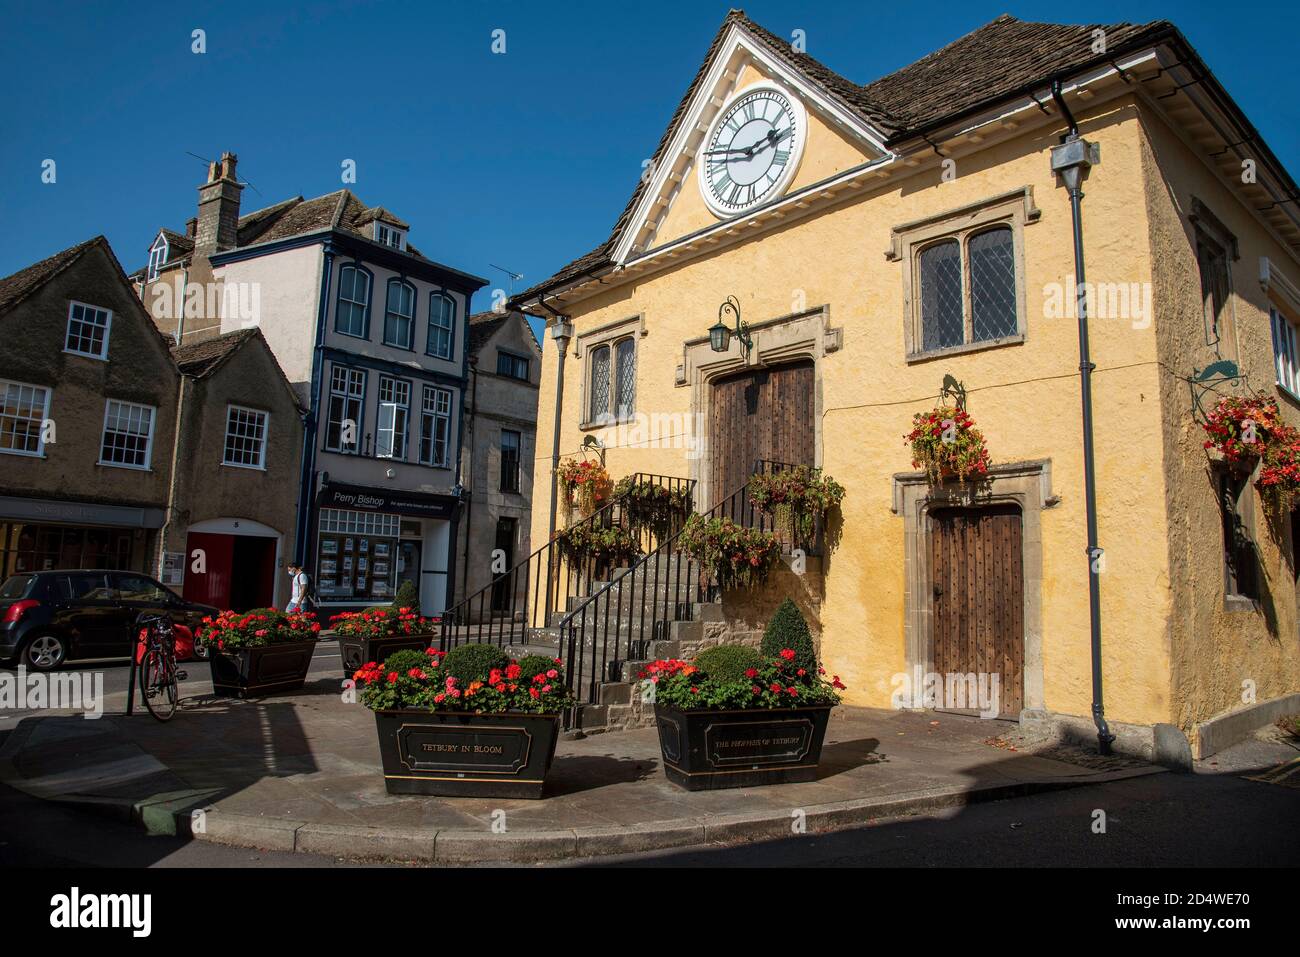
753 146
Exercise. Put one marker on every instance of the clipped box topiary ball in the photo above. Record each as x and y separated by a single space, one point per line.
532 665
728 663
473 662
406 659
787 629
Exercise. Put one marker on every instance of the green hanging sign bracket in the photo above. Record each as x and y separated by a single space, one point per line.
1213 379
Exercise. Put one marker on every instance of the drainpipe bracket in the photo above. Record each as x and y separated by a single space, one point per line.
1075 151
1073 158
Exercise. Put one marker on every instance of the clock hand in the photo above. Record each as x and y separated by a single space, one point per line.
772 138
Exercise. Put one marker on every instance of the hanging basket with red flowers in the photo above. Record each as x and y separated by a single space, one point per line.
585 484
1241 428
797 498
1279 476
946 444
1246 430
735 555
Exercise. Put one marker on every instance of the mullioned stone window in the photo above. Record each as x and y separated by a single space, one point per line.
964 277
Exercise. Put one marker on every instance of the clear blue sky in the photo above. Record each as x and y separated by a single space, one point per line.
523 159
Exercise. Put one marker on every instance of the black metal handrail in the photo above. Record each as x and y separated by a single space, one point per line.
668 589
539 585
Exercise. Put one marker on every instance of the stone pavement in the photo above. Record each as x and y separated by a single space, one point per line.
301 772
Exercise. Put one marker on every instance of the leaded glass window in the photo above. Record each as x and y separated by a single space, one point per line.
992 284
625 367
941 295
600 363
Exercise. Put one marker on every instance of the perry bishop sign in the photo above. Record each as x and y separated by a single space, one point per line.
358 499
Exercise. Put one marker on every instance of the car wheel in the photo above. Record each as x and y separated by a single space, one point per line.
44 652
200 651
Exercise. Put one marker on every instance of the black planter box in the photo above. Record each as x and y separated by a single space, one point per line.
454 754
357 651
708 750
267 669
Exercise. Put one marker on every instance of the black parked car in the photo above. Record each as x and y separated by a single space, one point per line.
47 618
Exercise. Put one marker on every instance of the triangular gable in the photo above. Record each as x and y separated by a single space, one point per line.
743 54
486 327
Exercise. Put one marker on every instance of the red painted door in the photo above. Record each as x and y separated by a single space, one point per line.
212 586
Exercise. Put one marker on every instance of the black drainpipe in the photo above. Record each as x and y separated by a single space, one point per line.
1071 160
473 437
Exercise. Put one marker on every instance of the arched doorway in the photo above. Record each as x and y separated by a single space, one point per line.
239 564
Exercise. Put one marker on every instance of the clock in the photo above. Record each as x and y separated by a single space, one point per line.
752 149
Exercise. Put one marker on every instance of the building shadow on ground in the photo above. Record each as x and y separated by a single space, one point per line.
573 774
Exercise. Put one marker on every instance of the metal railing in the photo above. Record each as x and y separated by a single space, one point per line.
661 587
541 585
642 602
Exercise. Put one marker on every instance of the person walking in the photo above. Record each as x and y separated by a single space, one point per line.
300 598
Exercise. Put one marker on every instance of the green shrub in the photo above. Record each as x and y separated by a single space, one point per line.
728 663
408 596
472 662
787 629
406 659
530 665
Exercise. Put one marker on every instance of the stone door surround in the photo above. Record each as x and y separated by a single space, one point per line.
799 335
1026 484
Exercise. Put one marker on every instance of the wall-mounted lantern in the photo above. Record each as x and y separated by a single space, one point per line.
720 335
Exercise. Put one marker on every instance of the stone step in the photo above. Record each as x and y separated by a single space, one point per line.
615 692
632 597
597 616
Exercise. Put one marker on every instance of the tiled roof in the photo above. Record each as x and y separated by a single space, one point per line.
14 289
1000 59
177 243
1003 58
297 216
482 327
203 358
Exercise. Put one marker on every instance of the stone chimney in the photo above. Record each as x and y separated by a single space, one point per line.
218 218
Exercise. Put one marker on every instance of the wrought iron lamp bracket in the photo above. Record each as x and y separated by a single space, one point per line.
741 332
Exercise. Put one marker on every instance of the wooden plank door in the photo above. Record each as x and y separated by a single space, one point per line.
761 414
978 626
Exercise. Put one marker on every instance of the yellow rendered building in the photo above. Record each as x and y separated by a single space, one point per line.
879 239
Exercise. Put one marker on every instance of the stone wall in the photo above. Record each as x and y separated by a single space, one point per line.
746 612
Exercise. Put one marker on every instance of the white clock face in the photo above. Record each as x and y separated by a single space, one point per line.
752 150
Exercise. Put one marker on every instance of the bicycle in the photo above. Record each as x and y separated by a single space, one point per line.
159 676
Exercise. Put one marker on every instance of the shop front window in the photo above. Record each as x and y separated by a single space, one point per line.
357 556
47 547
